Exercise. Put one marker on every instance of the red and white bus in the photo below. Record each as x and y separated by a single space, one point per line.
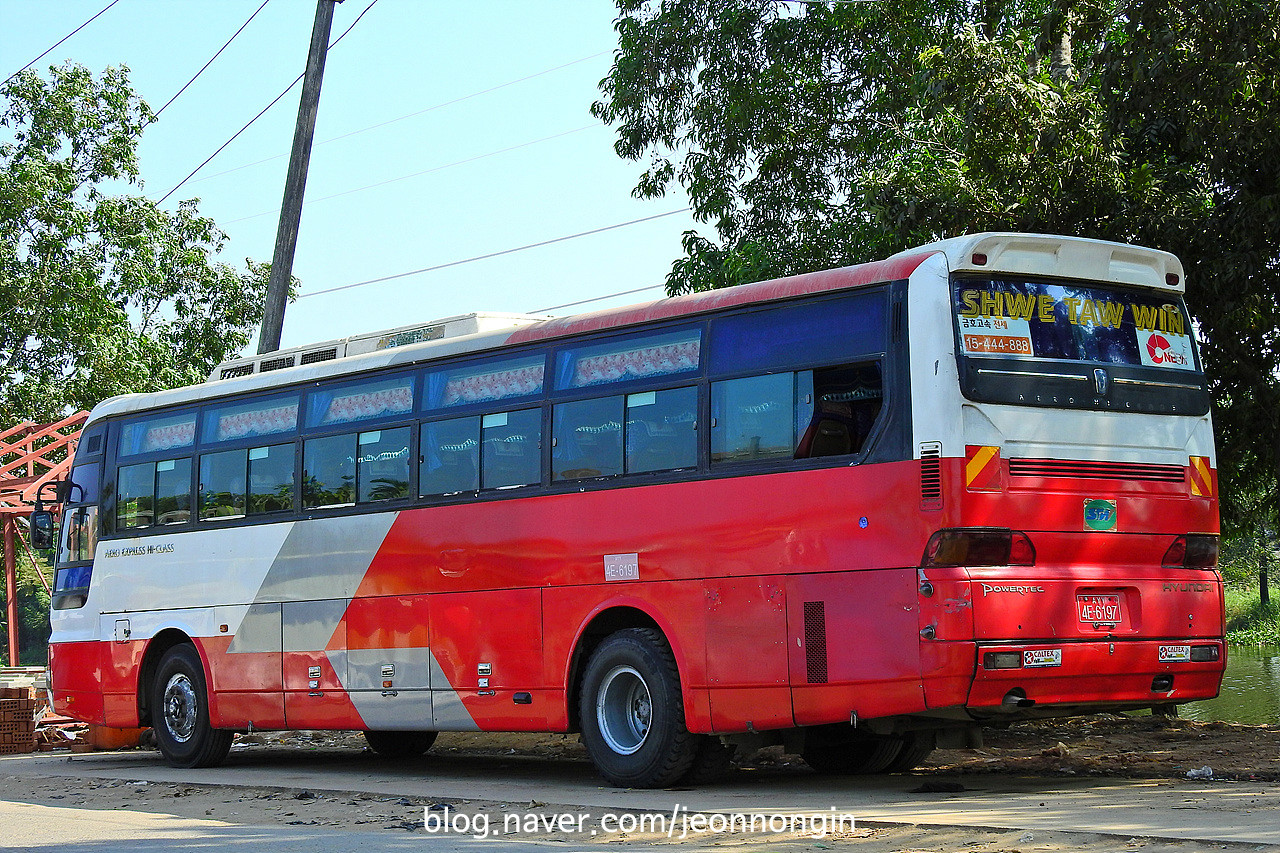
862 512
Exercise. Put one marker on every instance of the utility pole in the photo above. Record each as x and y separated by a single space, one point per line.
295 183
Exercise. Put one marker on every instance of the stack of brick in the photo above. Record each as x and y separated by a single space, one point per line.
17 720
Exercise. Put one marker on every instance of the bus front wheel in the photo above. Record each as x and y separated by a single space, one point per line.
180 712
632 712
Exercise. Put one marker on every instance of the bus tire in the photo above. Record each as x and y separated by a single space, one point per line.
180 712
712 761
398 745
837 751
916 747
632 712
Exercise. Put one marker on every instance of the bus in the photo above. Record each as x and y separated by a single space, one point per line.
862 513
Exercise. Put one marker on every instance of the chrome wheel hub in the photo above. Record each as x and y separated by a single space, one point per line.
179 709
624 710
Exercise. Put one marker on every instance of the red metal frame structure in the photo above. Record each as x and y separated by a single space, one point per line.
31 455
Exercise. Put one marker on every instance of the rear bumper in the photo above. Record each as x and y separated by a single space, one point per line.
1098 674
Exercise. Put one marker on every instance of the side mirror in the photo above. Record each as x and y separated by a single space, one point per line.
41 529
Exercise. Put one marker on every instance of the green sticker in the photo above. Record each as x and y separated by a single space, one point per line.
1100 515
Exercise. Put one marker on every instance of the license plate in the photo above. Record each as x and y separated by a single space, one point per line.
1099 609
1175 653
1042 657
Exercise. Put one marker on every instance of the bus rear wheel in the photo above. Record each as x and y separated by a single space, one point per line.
839 751
916 747
400 745
632 712
180 712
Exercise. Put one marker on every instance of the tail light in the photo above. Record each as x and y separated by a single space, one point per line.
1192 551
979 546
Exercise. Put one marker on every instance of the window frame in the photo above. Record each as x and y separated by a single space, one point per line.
419 419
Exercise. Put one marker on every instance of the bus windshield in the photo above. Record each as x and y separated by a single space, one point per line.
1076 346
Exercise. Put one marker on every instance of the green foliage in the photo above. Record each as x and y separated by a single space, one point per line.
1249 621
102 293
1244 557
33 615
815 135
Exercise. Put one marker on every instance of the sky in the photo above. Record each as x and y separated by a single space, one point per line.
446 131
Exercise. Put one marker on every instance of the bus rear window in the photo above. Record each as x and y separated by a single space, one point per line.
1021 319
1076 346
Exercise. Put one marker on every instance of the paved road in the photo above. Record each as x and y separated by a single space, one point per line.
1222 812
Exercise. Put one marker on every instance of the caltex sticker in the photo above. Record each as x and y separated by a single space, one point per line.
1175 653
1042 657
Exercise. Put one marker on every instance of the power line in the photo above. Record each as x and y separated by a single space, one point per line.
215 56
276 100
411 115
596 299
425 172
60 41
493 254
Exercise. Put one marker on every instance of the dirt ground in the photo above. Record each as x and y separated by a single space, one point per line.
1105 745
1150 747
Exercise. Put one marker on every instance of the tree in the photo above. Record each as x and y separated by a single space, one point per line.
102 293
813 135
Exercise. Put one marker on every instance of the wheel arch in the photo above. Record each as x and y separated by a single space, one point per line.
608 618
156 648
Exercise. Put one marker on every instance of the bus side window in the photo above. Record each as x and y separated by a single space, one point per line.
271 478
222 487
450 461
661 433
587 439
841 404
173 491
153 493
510 453
329 471
382 466
753 418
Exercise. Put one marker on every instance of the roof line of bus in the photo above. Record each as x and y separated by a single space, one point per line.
893 269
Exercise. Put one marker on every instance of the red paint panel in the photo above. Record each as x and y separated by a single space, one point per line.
500 713
947 669
122 663
246 688
777 524
894 269
502 628
388 622
747 654
1101 673
1040 603
1057 504
76 666
872 642
330 710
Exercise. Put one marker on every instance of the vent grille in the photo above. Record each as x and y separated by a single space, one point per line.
815 641
237 370
1097 470
275 364
319 355
931 475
